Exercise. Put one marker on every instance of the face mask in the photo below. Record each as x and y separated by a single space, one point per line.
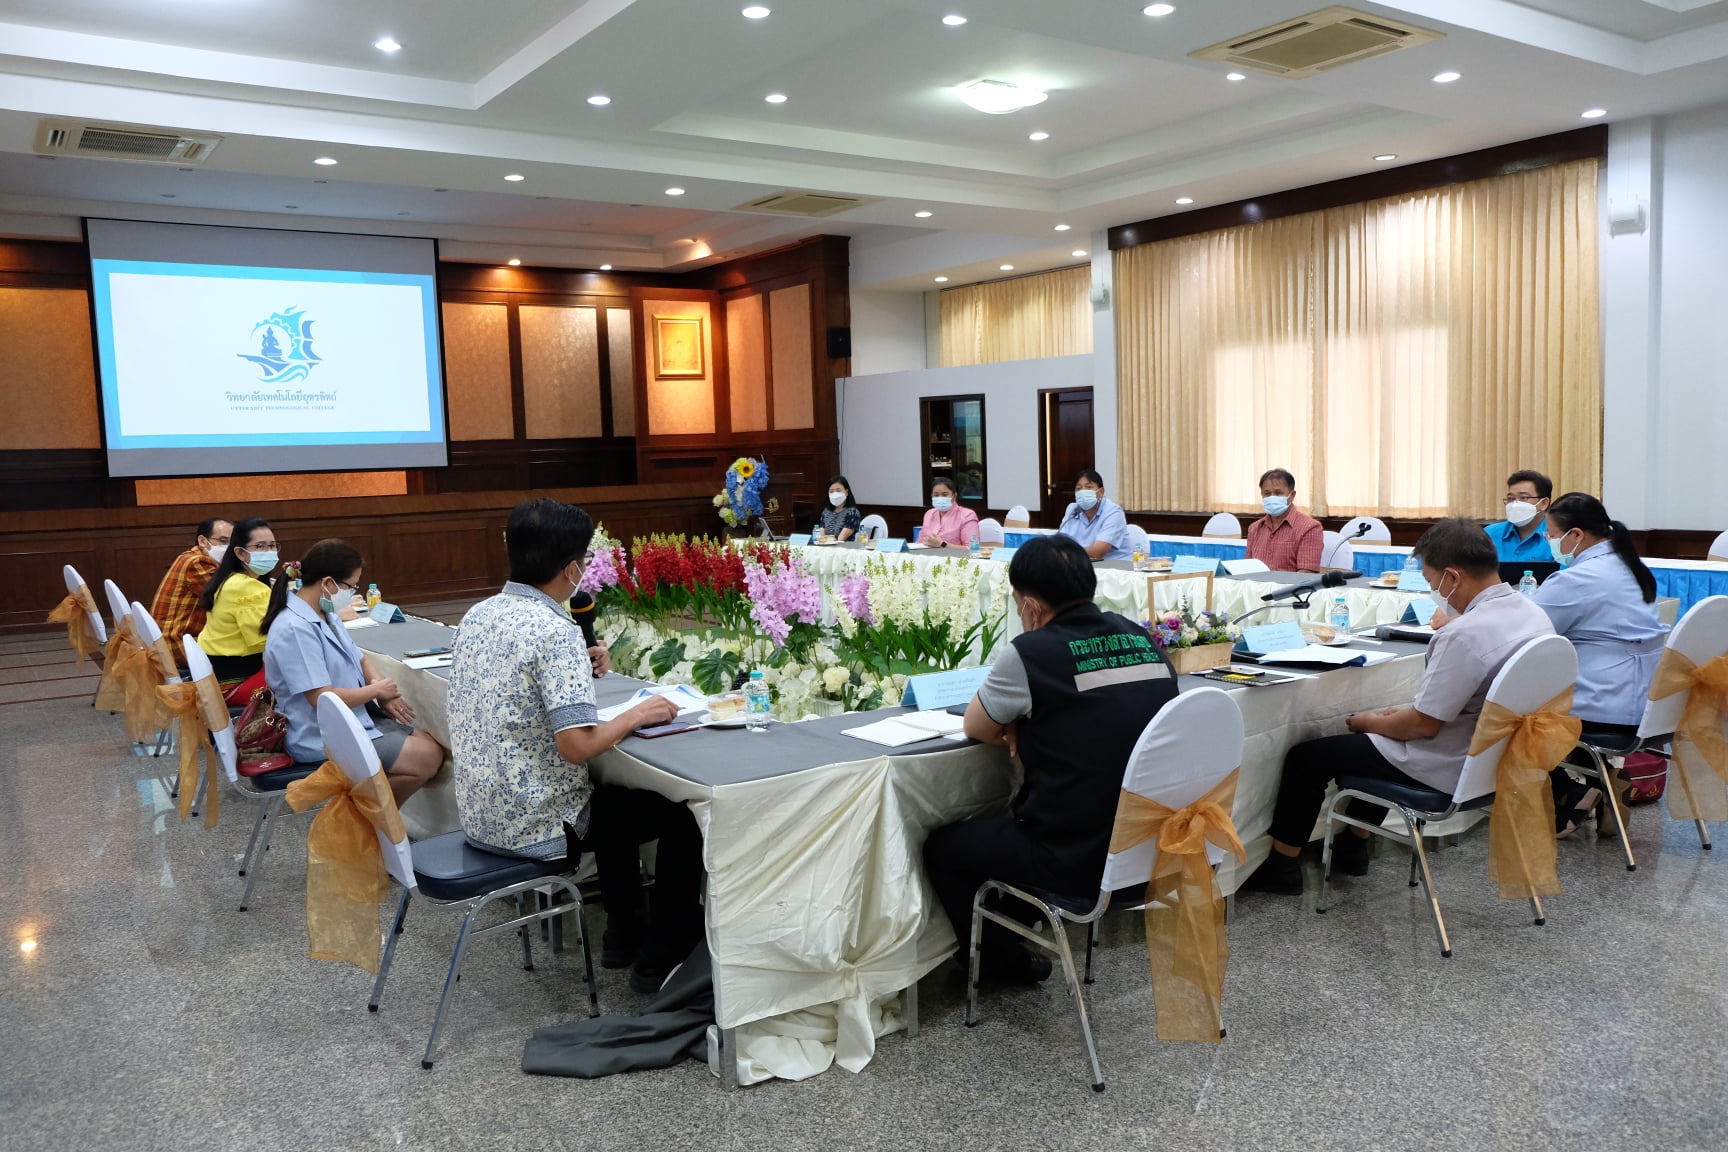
1520 513
942 503
1275 505
261 562
1439 597
335 604
217 551
837 498
1561 557
1086 499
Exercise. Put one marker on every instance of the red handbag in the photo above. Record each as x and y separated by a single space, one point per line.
260 734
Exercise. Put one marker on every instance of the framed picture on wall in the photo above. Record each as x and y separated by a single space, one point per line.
678 347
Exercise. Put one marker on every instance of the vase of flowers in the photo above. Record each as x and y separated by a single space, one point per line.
739 502
1194 641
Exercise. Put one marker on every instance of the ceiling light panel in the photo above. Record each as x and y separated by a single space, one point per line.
998 97
953 20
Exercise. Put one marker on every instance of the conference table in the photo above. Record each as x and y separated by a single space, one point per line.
819 919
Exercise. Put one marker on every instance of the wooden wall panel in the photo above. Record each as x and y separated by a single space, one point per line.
683 406
445 558
48 368
747 363
623 383
31 576
477 371
560 371
794 377
231 492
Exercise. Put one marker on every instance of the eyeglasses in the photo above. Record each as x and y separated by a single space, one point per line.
341 584
1514 497
260 546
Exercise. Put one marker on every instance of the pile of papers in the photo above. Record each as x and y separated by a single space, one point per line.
687 698
911 728
1320 654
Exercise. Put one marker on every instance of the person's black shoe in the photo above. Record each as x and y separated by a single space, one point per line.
1350 853
619 946
1006 966
1280 875
648 974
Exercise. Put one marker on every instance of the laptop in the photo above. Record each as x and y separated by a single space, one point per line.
1513 571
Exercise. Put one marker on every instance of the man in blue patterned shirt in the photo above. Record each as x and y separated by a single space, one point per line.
523 724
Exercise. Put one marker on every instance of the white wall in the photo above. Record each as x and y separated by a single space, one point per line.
879 427
1665 324
887 332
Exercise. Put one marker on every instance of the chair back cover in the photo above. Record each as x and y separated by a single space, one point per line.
1377 532
1719 547
198 665
1138 541
1539 671
1335 551
1701 636
1225 525
75 582
989 531
349 746
1188 748
118 606
1017 517
149 632
872 527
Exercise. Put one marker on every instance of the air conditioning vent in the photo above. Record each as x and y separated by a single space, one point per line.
1317 42
123 142
803 204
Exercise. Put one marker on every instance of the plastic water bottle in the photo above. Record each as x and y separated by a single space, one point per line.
1340 618
373 596
1527 586
975 547
1412 565
756 703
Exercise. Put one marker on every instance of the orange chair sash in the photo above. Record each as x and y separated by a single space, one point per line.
199 708
1521 856
346 879
1700 748
74 612
111 691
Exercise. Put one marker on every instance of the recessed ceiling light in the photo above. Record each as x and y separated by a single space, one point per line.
1595 113
1036 136
167 195
599 101
1385 156
674 191
401 213
775 97
513 262
755 12
290 206
515 177
1062 227
386 44
1078 252
1184 199
605 267
997 97
1007 267
320 181
925 215
440 189
953 20
1158 9
325 160
1235 77
941 279
1446 77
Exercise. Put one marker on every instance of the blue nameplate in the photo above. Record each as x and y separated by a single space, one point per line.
943 689
1004 554
891 544
1412 580
386 613
799 538
1418 612
1193 564
1283 637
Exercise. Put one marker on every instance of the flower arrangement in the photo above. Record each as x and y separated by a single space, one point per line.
1186 628
740 499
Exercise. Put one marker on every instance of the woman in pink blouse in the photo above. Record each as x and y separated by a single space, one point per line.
947 524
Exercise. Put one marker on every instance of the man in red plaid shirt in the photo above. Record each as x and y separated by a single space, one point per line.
1286 538
176 607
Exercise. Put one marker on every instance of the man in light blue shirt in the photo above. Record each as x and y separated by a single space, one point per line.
1520 537
1096 523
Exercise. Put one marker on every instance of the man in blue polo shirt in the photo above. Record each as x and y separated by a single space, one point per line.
1520 537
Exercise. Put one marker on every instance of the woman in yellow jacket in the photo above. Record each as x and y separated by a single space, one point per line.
235 599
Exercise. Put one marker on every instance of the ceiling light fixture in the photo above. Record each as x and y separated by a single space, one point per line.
775 97
1007 267
515 177
1184 199
1037 136
168 195
924 215
291 206
326 161
953 20
1595 113
599 101
513 262
755 12
1062 227
1078 252
1446 77
386 44
1235 77
941 279
997 97
605 267
674 191
1158 9
1385 156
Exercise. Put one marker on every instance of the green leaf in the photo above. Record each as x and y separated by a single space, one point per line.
779 658
665 656
714 671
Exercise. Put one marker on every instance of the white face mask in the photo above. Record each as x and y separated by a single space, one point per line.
837 498
1086 499
1439 597
1275 505
217 551
335 604
1520 513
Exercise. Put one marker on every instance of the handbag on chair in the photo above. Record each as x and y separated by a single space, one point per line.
259 736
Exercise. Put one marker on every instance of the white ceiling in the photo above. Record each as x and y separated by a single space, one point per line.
480 90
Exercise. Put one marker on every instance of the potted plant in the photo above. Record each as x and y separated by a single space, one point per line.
1194 641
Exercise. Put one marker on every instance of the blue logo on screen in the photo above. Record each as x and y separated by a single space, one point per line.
276 366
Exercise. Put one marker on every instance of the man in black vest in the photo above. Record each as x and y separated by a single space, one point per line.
1069 697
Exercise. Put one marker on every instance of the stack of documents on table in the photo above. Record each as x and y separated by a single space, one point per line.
686 697
362 622
909 729
421 663
1320 654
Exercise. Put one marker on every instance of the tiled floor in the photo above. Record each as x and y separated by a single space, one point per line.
153 1014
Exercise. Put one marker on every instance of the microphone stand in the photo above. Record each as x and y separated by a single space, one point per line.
1361 531
1298 602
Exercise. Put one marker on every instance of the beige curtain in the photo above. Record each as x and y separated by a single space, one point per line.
1026 318
1400 356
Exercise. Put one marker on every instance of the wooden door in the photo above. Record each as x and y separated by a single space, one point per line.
1065 445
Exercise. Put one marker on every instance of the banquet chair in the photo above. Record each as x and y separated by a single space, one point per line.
1187 750
268 790
1017 517
1335 551
1700 636
1719 548
1377 532
149 635
1539 671
990 531
75 583
872 527
118 606
1223 525
1138 541
449 872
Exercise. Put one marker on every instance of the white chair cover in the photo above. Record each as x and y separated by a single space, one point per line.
1539 671
148 633
75 582
1719 547
1335 551
1137 539
198 665
1225 525
117 603
1701 636
1377 532
990 531
1017 517
872 527
1192 744
349 746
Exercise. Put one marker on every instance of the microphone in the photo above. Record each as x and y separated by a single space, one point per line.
1309 587
1362 530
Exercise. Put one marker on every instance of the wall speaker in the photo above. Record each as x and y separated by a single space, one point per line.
839 343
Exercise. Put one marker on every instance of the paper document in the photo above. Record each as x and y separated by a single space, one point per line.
1318 654
936 723
686 697
893 733
423 662
353 625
